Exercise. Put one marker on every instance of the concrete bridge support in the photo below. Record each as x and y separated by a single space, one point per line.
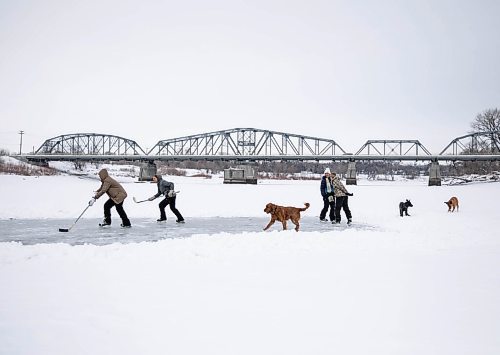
147 171
434 174
351 173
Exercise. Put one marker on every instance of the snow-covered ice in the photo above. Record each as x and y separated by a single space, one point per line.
424 284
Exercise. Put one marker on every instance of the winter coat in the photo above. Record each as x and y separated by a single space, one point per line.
324 187
339 187
111 187
164 186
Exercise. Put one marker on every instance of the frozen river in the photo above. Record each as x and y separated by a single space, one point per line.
87 231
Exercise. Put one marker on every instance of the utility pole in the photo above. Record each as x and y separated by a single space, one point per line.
21 143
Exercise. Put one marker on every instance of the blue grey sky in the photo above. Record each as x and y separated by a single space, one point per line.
150 70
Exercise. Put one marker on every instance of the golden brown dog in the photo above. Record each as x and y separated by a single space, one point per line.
282 214
452 203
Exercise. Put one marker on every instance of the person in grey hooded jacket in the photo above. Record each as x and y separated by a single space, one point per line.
166 189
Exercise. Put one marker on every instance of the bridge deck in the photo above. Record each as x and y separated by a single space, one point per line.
347 157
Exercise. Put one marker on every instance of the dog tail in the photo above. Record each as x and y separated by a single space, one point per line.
307 206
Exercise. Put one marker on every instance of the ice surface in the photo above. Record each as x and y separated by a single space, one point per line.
87 231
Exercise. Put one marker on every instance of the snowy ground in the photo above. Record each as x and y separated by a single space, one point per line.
425 284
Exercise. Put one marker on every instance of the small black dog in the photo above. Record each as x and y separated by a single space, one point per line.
403 207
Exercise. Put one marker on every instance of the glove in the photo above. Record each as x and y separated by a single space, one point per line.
349 194
171 193
92 200
151 198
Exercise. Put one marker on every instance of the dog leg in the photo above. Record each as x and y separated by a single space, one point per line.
271 222
284 224
297 224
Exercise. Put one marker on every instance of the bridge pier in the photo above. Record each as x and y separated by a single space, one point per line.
351 173
147 171
434 174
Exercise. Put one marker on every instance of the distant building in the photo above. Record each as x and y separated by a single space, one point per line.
244 174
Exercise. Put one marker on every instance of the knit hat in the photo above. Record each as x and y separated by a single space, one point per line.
327 171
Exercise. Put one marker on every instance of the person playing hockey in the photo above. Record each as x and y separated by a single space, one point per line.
166 188
117 196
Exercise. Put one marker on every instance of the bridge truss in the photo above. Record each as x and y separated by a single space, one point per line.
89 144
474 143
386 148
249 142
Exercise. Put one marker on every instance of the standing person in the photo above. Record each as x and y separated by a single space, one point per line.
327 192
166 188
341 194
117 196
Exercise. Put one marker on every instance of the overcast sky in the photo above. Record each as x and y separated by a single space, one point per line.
344 70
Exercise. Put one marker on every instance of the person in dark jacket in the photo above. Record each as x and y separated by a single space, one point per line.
327 192
166 189
341 194
117 196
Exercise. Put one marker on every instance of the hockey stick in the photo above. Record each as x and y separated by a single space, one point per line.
135 200
68 229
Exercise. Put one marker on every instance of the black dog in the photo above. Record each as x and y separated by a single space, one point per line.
403 207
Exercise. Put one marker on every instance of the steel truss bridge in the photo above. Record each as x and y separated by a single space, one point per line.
89 144
250 144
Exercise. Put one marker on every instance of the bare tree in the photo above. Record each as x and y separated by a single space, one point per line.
489 121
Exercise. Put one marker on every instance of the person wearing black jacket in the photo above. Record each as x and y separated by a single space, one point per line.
327 192
166 188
